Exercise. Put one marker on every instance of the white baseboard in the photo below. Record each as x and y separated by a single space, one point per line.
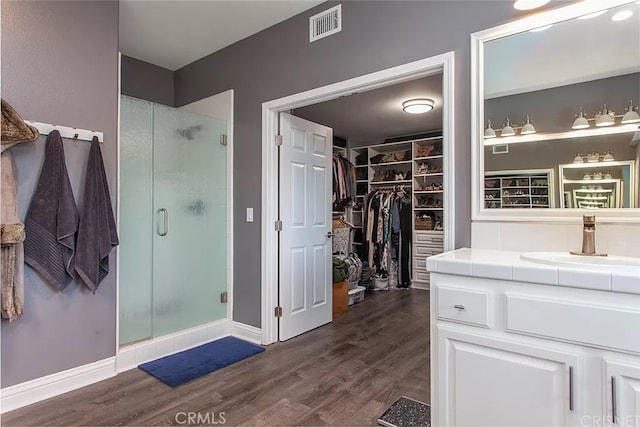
130 356
246 332
33 391
420 286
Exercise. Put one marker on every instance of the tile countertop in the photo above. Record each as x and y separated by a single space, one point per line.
507 265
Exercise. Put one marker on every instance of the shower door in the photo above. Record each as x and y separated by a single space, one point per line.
190 229
173 220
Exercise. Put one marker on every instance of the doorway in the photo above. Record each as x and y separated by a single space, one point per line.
442 64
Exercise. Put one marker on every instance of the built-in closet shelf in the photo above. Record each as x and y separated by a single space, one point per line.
406 181
428 209
361 166
590 181
439 156
362 180
424 175
429 192
404 162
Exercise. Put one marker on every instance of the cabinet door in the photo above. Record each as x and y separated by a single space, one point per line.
623 392
496 382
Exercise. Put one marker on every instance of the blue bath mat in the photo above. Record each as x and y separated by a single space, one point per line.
190 364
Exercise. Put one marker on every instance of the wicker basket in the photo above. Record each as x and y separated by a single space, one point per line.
424 223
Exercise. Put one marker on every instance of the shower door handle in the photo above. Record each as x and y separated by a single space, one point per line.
165 222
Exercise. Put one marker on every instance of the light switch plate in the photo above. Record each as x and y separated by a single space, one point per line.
249 214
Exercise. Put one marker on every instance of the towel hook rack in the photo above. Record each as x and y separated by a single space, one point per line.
66 131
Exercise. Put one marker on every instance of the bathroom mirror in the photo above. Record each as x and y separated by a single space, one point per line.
555 124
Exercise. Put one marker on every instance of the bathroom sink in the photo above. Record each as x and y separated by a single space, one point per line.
569 260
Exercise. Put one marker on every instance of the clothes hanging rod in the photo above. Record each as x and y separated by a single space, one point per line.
66 131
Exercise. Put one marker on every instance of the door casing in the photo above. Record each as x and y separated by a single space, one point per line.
443 63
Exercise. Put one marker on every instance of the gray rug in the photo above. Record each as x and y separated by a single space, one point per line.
407 412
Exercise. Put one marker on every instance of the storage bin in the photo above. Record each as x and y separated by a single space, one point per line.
381 284
424 223
356 295
340 297
354 284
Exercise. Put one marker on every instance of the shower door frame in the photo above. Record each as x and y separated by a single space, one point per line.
223 325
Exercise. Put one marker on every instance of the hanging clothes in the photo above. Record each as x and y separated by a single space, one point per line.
344 182
383 228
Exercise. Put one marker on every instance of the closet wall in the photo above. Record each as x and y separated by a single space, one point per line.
67 77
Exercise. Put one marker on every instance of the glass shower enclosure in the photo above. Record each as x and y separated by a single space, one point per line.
173 220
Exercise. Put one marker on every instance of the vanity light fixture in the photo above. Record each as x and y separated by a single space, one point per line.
631 116
527 128
622 15
605 118
581 121
489 132
507 130
417 105
593 15
529 4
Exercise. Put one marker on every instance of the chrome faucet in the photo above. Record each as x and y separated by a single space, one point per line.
588 237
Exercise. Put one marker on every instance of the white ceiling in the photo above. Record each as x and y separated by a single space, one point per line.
569 52
175 33
371 117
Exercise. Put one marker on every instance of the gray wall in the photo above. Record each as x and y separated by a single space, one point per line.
280 61
146 81
60 65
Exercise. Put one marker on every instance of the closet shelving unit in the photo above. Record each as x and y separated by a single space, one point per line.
424 186
526 189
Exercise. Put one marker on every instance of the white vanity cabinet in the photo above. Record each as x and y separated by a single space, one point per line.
489 381
505 352
622 399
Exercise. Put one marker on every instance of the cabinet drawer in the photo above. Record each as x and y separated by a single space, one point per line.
425 251
463 305
429 238
419 264
578 322
421 276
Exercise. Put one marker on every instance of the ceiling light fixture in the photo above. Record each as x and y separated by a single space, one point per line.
507 130
529 4
631 116
417 105
537 30
622 15
581 121
527 128
489 132
593 15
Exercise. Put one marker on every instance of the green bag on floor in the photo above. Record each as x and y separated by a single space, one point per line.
340 270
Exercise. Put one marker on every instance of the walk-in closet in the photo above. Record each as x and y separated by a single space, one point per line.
388 186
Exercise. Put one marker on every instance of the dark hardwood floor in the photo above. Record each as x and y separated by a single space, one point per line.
345 373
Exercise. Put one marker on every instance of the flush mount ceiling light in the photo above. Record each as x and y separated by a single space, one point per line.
527 128
507 130
631 116
537 30
622 15
581 121
417 105
593 15
489 132
529 4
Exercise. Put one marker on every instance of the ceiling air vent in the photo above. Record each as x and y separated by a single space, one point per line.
325 23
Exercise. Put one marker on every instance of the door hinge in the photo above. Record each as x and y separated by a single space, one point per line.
278 140
223 139
278 225
278 311
224 297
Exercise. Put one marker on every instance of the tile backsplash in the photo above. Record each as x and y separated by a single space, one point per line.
614 239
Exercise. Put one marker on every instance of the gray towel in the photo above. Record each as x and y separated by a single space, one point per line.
52 220
97 234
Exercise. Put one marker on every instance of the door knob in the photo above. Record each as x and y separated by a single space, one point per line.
329 234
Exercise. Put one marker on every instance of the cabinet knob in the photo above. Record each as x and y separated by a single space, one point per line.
459 306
